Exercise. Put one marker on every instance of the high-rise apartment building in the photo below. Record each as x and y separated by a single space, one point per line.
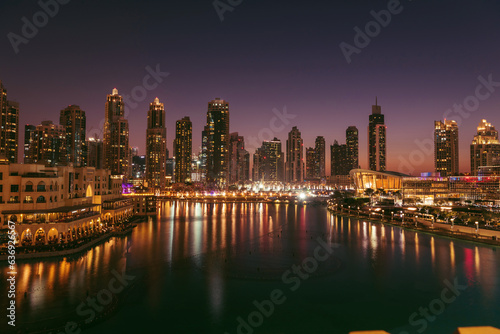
217 147
294 156
156 145
9 128
239 159
352 142
48 145
116 135
319 149
268 162
377 139
311 163
74 121
183 148
485 148
95 153
28 137
446 147
339 159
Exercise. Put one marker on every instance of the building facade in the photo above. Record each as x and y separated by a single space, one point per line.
377 139
116 135
269 162
320 162
239 159
217 147
74 121
339 159
29 131
485 148
9 128
446 147
183 148
294 168
48 145
156 146
352 142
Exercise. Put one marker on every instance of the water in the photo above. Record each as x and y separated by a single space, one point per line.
198 267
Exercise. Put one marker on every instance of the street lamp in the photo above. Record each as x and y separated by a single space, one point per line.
477 228
392 215
452 223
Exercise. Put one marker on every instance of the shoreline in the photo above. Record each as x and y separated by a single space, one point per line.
463 236
73 251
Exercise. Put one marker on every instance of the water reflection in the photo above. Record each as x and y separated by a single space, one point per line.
215 253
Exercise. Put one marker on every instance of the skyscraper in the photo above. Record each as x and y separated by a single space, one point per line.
116 135
9 128
156 145
339 159
239 159
48 145
319 149
28 137
352 143
95 153
269 162
294 156
446 147
74 121
311 163
485 148
183 148
217 132
377 139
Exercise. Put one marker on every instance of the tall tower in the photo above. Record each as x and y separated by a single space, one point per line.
239 159
311 163
29 130
339 159
183 148
156 145
294 156
352 142
217 132
116 133
48 145
9 128
485 148
446 147
269 161
319 149
74 120
377 139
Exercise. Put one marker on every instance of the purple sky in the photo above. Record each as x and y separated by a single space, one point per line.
262 57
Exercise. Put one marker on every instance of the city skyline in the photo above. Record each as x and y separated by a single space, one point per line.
417 80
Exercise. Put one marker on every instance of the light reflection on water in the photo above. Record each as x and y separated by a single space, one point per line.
215 259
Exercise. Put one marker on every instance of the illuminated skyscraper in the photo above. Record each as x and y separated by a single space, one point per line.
485 148
28 137
183 148
339 159
269 162
352 143
311 163
239 159
74 121
116 135
377 139
294 156
9 128
156 145
446 147
319 150
217 133
48 145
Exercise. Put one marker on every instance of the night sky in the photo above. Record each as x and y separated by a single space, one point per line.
265 55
